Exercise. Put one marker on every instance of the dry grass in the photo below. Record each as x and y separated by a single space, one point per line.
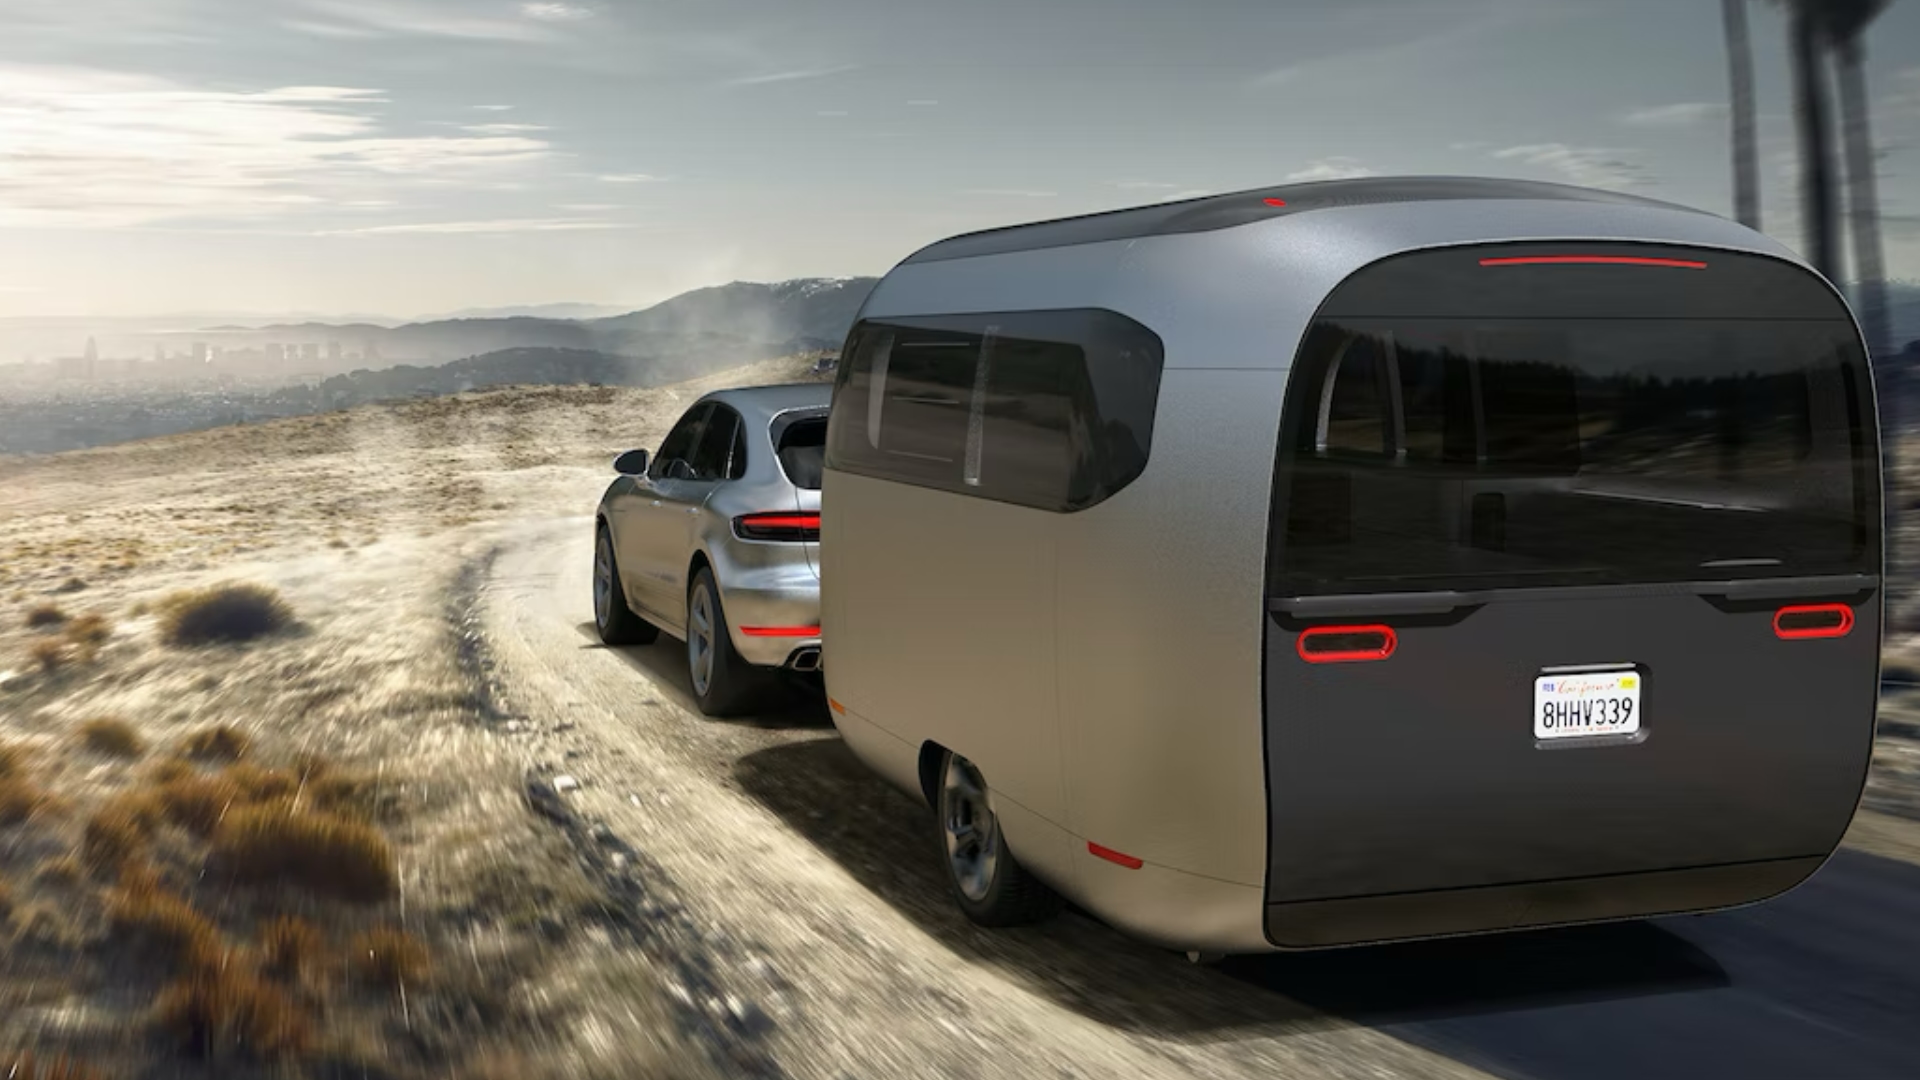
291 946
6 900
196 803
112 737
20 800
120 830
389 959
218 743
327 855
50 654
222 613
254 784
61 871
88 633
25 1067
227 1006
144 913
45 615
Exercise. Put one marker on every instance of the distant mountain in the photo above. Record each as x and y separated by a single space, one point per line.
533 311
809 313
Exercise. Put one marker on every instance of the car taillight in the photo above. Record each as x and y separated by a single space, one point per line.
789 527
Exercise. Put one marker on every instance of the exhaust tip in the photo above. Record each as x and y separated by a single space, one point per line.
807 659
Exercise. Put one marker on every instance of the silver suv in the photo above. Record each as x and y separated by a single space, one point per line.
715 539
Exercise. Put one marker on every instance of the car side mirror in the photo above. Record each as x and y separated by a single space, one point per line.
631 463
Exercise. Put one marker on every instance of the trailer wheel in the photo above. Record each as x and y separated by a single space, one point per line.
990 885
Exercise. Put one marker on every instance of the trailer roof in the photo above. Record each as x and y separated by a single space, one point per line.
1243 207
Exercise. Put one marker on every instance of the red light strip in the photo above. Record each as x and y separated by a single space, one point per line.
1616 260
1274 202
1389 641
780 631
1113 856
1839 629
782 521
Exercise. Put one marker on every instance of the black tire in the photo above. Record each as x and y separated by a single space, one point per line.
995 891
612 618
732 686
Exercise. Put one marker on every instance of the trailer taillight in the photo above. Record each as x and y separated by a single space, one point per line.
1813 621
1345 644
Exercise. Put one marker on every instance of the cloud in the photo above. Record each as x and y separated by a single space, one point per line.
493 108
791 76
1683 115
1011 193
1332 168
384 18
589 208
628 178
501 129
87 148
1142 185
1589 166
501 226
1482 18
556 12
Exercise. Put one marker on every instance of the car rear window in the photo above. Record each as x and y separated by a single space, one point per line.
1551 424
801 450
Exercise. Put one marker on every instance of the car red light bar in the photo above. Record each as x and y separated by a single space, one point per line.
1615 260
1346 644
1813 621
780 631
779 526
1274 202
1113 856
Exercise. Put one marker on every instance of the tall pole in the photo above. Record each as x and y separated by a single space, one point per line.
1746 170
1816 171
1863 210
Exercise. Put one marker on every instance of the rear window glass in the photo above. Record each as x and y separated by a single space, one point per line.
1538 448
803 445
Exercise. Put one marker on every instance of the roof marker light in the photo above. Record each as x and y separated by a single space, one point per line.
1113 856
1616 260
1274 202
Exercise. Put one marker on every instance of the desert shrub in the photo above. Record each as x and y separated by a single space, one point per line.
91 629
229 1006
20 799
112 737
6 899
291 946
26 1067
145 913
13 760
120 829
322 853
61 870
255 784
50 654
388 958
196 803
222 613
45 615
168 769
218 743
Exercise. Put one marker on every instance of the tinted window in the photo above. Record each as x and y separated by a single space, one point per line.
803 445
1045 409
679 444
737 457
1548 449
711 453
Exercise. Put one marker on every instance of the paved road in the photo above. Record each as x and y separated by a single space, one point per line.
782 839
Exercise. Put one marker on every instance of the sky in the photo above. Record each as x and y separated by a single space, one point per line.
400 157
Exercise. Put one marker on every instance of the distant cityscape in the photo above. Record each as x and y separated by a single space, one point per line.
197 362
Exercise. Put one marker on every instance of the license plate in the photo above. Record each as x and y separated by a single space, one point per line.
1579 705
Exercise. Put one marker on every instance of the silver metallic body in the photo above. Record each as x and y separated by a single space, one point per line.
665 529
1103 668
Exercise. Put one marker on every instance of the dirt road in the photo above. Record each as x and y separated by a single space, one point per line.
812 891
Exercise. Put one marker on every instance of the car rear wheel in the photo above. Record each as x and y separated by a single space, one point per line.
724 684
991 886
612 619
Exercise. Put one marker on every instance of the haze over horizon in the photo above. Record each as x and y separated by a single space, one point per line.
422 157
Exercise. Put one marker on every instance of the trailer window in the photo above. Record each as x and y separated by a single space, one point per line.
1522 451
1052 409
